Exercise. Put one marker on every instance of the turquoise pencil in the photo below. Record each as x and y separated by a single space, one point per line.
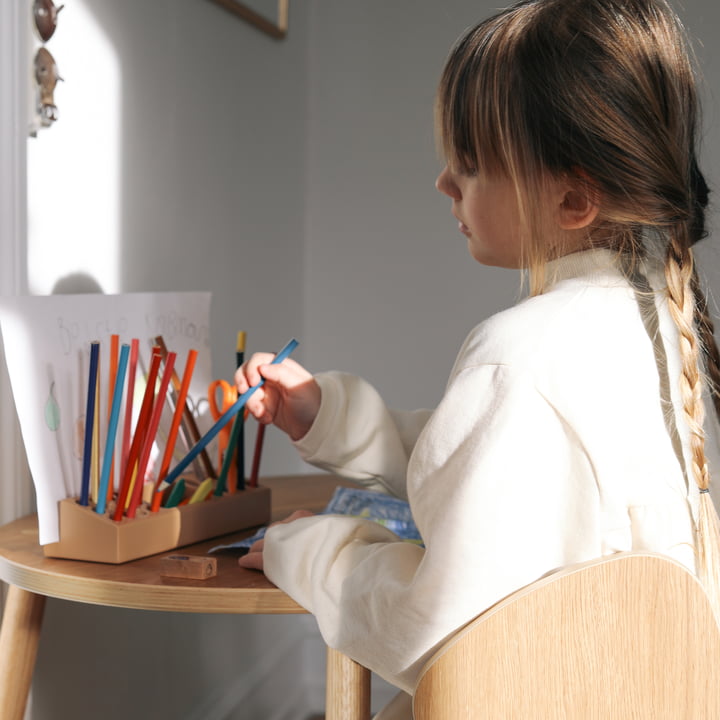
112 430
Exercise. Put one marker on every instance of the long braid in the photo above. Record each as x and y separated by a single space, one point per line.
679 274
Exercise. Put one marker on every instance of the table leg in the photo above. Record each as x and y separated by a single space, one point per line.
347 694
19 636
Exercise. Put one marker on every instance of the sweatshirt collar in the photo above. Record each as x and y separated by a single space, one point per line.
600 262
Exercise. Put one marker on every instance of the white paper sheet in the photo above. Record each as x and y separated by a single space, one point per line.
47 348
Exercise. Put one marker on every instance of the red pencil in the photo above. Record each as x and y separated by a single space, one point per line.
149 438
127 423
136 445
256 456
174 426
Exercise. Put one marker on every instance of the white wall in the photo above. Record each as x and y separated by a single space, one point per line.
295 180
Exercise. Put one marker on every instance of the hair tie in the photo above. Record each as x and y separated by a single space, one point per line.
704 490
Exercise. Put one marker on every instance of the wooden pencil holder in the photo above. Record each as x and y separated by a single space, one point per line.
87 535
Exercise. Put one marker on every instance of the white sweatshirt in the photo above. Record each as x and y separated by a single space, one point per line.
548 448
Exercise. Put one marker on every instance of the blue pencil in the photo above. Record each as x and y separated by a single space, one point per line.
112 429
223 420
89 421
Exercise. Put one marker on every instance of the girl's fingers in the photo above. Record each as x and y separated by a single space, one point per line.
256 403
259 367
287 374
253 560
247 375
257 546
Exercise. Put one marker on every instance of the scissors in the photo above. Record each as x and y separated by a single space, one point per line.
228 395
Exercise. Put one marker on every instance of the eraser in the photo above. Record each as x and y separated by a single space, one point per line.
195 567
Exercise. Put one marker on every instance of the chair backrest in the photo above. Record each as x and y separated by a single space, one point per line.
627 637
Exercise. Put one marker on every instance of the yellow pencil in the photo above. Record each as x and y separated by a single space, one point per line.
203 490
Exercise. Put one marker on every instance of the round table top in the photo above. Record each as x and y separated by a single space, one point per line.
138 583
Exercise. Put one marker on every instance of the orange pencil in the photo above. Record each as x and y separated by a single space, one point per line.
174 426
136 445
192 427
149 438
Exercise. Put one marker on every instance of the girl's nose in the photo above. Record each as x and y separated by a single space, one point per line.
446 185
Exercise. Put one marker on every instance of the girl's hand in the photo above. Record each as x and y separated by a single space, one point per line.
290 397
254 558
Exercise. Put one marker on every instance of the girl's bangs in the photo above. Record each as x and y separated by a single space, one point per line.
470 106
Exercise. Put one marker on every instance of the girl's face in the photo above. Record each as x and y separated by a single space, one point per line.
487 213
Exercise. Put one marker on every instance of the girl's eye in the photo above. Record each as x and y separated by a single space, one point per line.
463 166
468 169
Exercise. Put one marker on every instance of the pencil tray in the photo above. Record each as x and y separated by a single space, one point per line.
87 535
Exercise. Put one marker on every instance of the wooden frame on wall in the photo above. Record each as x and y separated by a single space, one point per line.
276 29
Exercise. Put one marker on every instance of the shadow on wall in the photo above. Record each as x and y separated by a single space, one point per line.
76 284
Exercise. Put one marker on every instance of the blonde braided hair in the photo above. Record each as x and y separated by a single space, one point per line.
688 309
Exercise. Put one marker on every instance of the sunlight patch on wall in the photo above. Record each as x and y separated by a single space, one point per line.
74 166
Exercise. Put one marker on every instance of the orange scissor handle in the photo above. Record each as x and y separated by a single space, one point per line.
228 397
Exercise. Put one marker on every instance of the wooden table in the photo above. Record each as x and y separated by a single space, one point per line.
138 584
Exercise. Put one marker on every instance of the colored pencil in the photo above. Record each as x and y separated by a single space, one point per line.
112 374
150 434
192 427
230 456
95 462
89 423
201 493
174 427
129 397
176 494
183 434
136 444
257 455
112 430
223 420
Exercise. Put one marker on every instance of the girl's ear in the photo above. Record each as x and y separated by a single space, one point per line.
579 205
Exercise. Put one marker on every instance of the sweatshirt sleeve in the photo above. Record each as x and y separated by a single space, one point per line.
500 495
356 436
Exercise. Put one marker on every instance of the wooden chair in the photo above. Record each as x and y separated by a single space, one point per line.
627 637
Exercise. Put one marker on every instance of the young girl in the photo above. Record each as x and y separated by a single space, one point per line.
572 424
